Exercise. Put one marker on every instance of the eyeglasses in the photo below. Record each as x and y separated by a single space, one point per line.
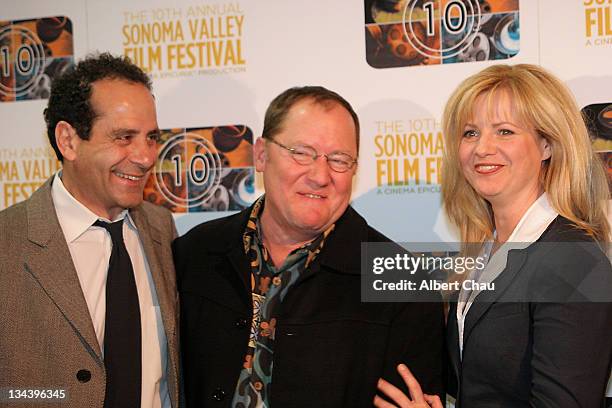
305 155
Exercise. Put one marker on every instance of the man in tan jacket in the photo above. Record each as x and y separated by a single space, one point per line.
87 291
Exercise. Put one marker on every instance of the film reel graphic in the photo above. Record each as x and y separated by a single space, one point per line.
22 54
196 167
456 17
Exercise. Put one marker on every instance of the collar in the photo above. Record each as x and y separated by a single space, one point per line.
253 232
73 216
534 222
532 225
341 251
252 227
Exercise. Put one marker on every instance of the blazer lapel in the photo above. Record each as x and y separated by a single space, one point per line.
482 302
151 239
242 268
234 264
50 264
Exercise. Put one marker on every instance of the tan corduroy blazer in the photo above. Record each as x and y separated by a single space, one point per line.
47 339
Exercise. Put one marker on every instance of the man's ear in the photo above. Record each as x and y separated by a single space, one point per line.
67 140
260 154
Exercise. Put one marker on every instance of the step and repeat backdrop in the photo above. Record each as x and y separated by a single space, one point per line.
217 64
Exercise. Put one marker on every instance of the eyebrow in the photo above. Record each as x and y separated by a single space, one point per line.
297 143
155 132
496 124
123 131
505 122
127 131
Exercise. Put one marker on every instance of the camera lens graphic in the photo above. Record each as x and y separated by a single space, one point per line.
195 166
23 55
458 17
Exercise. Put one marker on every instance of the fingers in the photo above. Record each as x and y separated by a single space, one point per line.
433 401
413 385
417 398
394 393
381 403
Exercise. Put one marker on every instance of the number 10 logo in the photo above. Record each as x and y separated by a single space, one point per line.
429 32
454 21
22 51
32 53
204 169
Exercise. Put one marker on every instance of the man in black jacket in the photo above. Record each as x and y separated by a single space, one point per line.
270 297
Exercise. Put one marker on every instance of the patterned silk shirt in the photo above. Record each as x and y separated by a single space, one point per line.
269 286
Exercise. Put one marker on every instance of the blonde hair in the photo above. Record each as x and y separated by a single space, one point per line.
574 177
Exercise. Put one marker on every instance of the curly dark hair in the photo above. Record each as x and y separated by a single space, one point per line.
279 107
71 92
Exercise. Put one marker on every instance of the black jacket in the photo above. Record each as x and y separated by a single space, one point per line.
330 349
548 353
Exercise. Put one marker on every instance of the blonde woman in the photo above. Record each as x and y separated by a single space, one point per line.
520 181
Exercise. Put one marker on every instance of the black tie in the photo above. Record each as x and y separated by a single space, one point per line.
122 337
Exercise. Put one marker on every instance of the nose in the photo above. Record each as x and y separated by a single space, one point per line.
486 145
319 172
143 152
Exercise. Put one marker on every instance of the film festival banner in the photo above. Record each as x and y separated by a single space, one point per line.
200 169
415 32
185 41
204 169
32 53
598 38
598 23
217 64
402 160
400 163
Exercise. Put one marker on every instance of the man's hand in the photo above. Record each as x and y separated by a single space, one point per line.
417 398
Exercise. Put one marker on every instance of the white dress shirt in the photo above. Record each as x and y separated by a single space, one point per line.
90 248
529 229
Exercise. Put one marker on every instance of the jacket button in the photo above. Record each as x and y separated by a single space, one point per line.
83 376
219 395
241 323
